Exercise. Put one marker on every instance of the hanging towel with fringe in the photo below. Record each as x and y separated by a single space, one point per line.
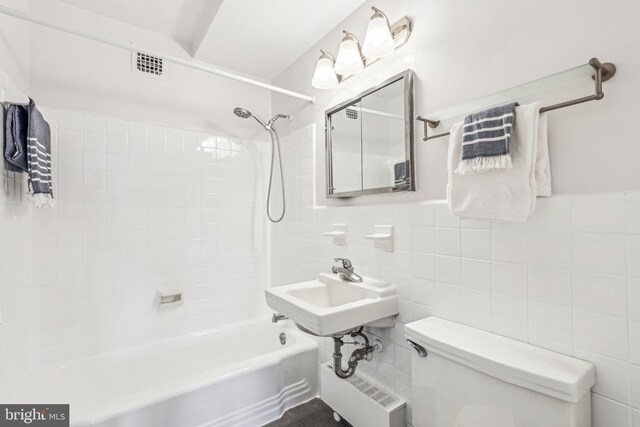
487 139
39 158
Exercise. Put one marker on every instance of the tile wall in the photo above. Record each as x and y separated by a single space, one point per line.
139 208
568 280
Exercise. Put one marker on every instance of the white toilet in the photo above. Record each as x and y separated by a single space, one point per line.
473 378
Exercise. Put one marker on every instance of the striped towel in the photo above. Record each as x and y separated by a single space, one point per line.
39 159
486 140
15 140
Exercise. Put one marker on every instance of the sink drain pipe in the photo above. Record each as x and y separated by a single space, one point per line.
365 352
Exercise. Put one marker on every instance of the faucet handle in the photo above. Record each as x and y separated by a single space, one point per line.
346 263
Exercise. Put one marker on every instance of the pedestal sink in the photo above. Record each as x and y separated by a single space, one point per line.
330 306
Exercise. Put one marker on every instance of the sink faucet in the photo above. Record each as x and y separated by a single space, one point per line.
346 271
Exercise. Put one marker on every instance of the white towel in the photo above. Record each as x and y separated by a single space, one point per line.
505 194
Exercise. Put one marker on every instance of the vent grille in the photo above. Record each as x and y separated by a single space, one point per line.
369 389
352 113
149 64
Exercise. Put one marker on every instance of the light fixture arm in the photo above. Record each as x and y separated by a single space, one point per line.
379 13
327 54
352 36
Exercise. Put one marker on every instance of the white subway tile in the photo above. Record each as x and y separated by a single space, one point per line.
476 244
423 240
70 120
633 212
550 322
423 266
476 274
95 141
510 317
117 144
510 246
444 218
447 269
600 293
551 214
605 335
448 241
551 249
93 123
476 305
633 248
634 299
550 285
612 376
95 160
600 253
510 280
609 413
635 387
634 338
117 127
599 213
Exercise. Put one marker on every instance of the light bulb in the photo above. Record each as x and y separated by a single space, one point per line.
324 76
378 41
349 60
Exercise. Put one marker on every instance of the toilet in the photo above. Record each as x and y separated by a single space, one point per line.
465 377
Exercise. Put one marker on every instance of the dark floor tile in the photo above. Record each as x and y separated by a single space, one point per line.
314 413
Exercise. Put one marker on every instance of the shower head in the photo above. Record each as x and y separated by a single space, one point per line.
243 113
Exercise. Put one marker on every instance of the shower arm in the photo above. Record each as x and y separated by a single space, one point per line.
278 116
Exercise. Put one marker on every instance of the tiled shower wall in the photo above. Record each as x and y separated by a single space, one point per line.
139 208
568 280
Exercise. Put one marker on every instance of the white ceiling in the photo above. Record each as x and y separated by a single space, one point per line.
257 37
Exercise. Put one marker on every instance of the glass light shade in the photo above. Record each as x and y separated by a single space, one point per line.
349 60
325 76
378 41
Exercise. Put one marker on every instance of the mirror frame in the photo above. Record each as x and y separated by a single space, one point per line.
407 76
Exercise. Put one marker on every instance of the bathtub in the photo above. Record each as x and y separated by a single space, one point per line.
234 376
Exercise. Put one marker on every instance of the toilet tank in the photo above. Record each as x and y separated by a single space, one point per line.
473 378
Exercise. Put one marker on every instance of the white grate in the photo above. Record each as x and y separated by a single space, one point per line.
369 389
352 113
149 64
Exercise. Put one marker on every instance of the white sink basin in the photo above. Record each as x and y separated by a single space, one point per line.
330 306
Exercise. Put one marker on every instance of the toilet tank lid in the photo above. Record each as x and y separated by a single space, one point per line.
512 361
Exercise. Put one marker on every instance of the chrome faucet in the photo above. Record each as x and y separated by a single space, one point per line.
346 271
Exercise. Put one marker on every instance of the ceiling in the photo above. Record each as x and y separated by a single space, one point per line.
256 37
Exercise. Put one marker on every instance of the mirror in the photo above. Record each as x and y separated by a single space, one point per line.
369 141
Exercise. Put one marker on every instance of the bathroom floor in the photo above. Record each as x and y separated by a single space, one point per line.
314 413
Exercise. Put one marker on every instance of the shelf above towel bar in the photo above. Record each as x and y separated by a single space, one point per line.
600 72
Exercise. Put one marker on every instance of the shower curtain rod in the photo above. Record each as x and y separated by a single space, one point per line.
170 58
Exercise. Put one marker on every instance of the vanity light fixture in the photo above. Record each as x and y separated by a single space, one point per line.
380 40
349 60
324 76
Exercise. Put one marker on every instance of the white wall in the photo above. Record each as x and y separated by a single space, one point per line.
73 73
454 51
566 281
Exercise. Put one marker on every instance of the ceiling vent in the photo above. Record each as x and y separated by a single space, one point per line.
150 66
352 113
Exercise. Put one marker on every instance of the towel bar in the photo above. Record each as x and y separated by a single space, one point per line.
603 72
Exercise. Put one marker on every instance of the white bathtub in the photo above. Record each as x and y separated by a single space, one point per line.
234 376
